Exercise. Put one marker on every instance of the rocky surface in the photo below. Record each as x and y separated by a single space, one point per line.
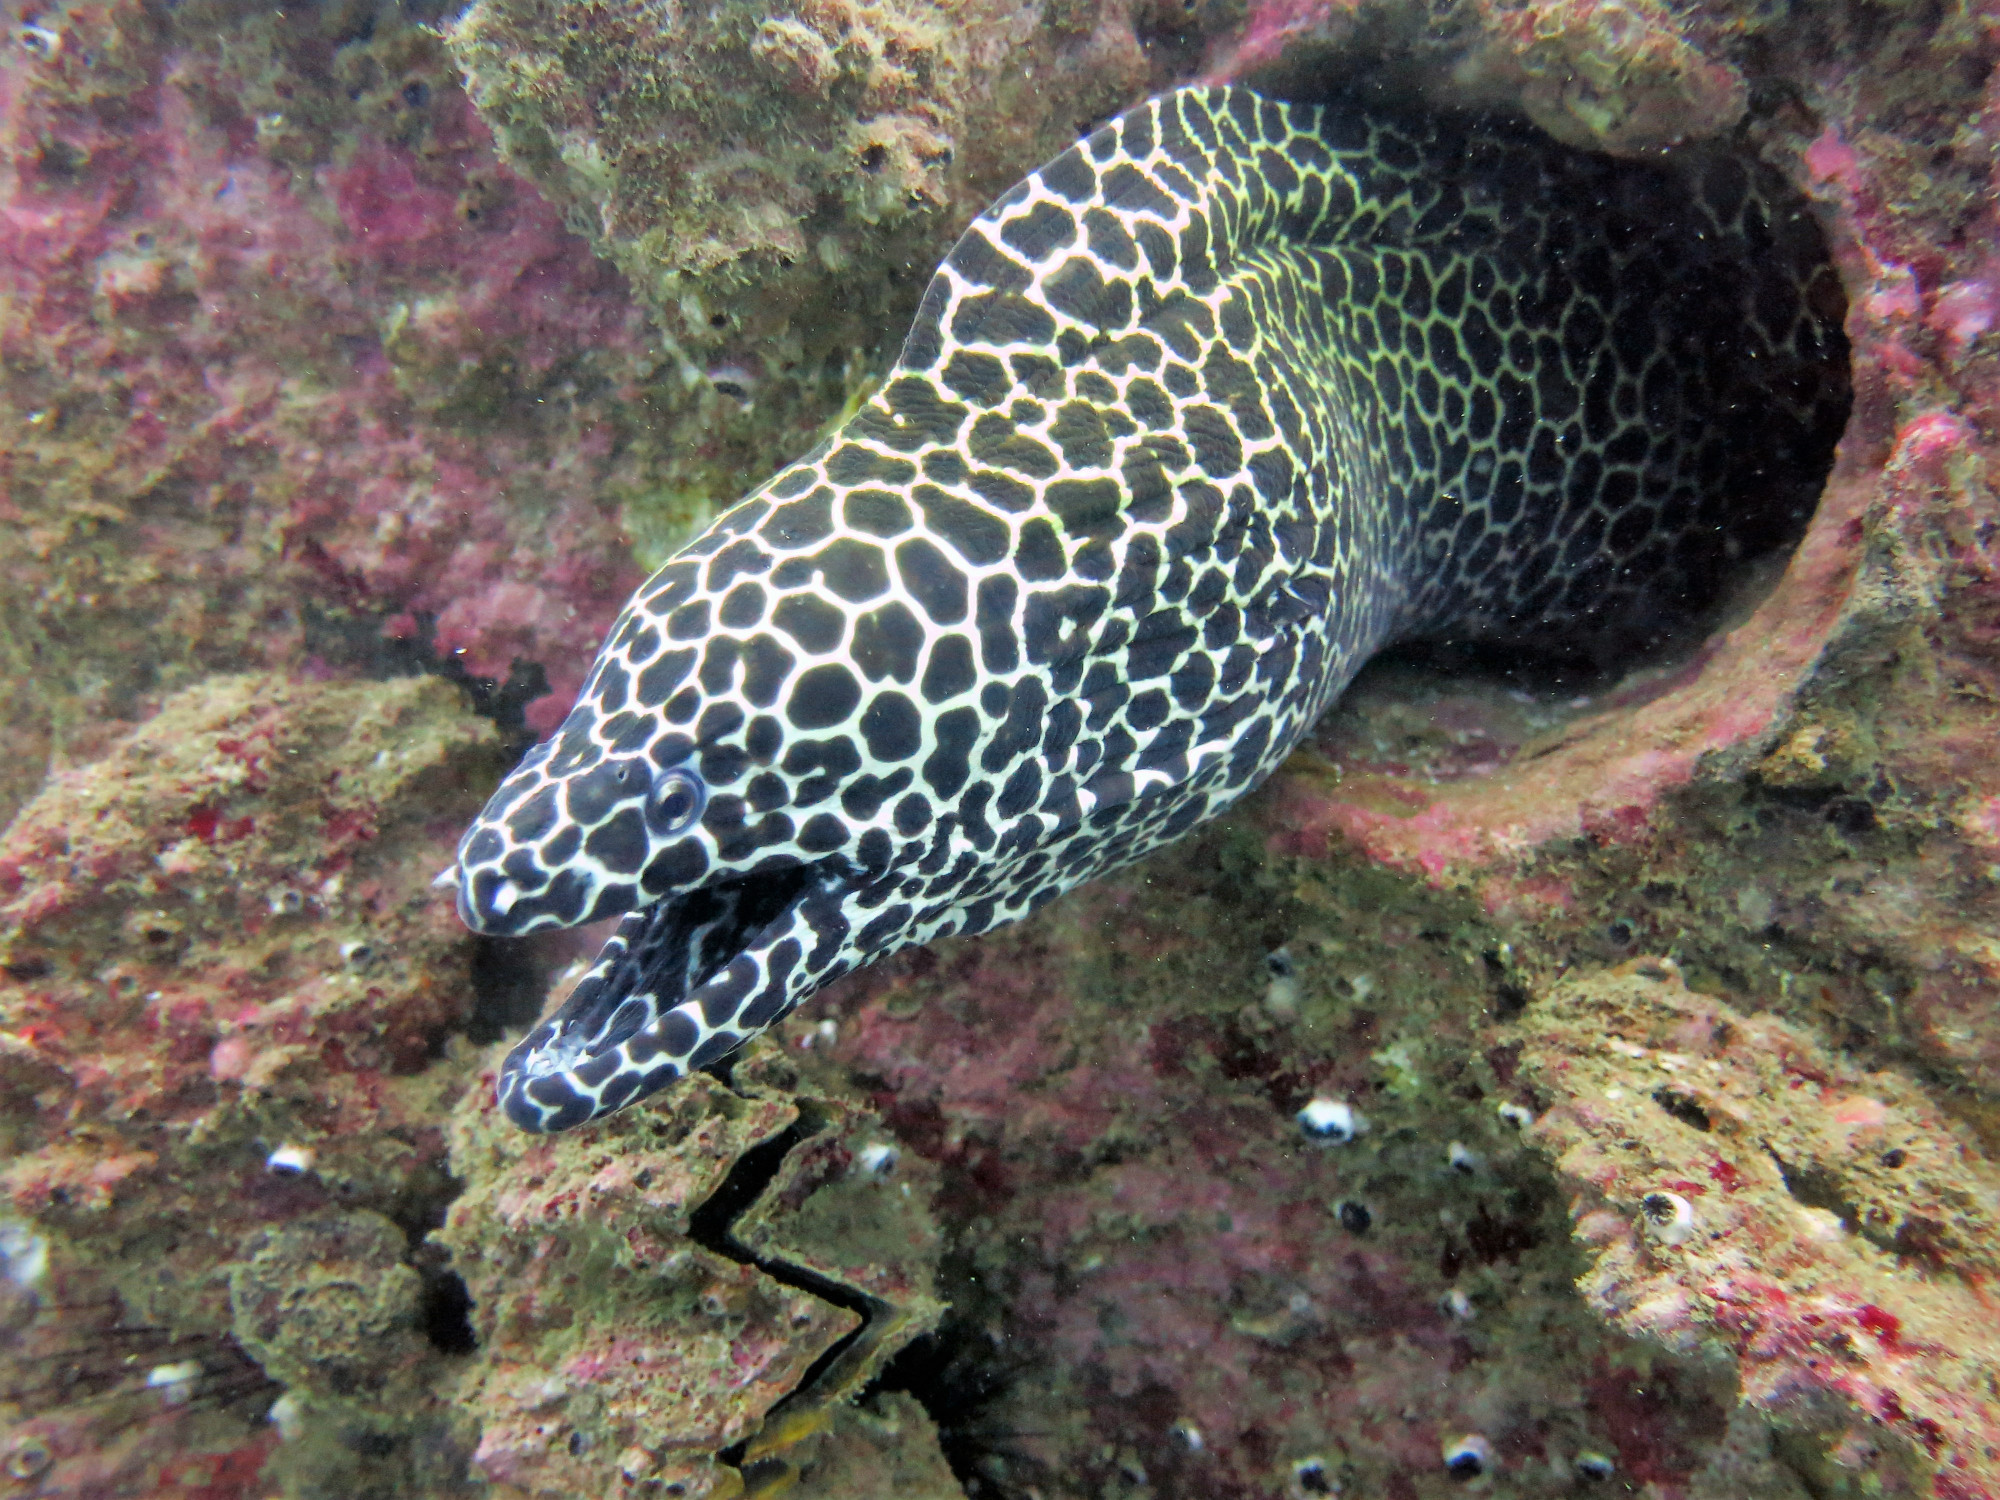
228 1004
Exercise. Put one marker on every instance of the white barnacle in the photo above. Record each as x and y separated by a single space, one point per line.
1594 1466
1461 1158
174 1382
24 1255
1669 1217
288 1416
1455 1305
1517 1115
1281 983
28 1457
1332 1122
738 382
1468 1457
1311 1476
877 1158
290 1161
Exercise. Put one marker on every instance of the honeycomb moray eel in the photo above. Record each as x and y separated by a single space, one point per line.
1220 402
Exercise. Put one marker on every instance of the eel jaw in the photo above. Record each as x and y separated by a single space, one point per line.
681 984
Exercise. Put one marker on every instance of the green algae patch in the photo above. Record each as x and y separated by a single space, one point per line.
776 186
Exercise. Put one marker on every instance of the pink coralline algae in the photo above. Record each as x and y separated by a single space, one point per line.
1744 1189
294 364
1182 1289
283 345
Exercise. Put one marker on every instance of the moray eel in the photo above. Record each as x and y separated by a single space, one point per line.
1220 402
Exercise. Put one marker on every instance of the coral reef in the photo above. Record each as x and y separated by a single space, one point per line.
302 378
232 1028
647 1293
1828 1228
1183 1290
888 1447
226 985
777 183
288 362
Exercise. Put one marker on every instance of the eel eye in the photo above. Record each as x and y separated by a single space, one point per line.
676 801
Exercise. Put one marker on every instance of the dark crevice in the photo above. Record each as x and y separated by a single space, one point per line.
353 640
446 1311
712 1227
1682 1108
709 1225
1815 1189
960 1378
723 1070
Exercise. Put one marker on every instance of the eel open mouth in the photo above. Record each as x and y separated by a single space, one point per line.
679 985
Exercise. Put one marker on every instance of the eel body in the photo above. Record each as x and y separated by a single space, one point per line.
1190 423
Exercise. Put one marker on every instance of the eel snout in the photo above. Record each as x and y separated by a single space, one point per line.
666 996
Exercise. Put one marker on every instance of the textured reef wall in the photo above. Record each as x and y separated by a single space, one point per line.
1596 1090
227 1067
290 365
648 1293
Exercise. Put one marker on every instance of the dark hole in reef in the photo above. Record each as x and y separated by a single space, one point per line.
446 1310
354 641
1816 1189
1510 996
709 1224
433 12
958 1375
1925 1241
1682 1108
723 1069
369 1444
61 161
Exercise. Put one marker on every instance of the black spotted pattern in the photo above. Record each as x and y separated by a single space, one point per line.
1190 423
